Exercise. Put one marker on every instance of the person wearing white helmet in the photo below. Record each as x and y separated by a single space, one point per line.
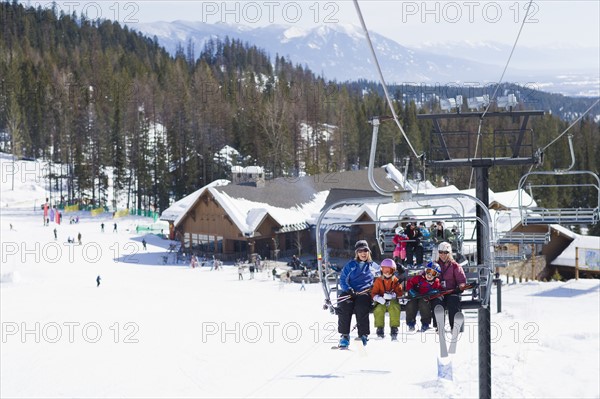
356 279
452 277
385 293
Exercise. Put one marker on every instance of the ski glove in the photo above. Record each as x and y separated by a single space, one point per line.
389 295
352 293
413 292
457 290
380 299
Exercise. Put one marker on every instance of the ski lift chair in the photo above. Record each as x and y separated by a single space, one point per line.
562 216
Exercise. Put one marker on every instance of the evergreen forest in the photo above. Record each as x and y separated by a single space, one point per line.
110 103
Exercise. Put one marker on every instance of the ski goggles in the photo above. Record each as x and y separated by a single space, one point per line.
431 272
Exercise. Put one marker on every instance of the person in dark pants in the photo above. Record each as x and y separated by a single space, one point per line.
423 284
414 246
356 280
452 276
98 281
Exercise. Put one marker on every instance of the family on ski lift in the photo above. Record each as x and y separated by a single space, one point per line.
364 283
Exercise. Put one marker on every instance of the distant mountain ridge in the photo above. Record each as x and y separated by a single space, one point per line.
340 52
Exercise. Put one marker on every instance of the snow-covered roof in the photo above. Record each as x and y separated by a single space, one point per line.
589 253
249 214
247 169
245 214
510 199
179 208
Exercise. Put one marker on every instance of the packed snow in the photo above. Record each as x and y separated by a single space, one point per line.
168 330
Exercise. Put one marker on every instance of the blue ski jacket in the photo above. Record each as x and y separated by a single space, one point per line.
356 275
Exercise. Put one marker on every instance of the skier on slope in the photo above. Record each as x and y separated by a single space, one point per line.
356 279
425 283
385 293
452 276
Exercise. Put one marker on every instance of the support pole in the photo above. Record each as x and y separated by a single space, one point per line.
576 263
484 319
532 262
498 282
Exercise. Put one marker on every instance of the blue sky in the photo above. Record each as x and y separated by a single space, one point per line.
560 23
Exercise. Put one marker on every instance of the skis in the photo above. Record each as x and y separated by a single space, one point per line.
439 317
459 320
443 362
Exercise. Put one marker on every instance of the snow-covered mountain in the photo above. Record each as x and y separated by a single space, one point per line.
340 52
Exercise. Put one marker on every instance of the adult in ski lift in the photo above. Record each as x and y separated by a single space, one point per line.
452 277
414 247
439 233
356 280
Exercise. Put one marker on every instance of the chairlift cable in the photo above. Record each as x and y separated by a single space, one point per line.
498 86
508 61
385 90
570 126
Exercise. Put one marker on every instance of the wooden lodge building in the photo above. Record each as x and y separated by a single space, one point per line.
274 218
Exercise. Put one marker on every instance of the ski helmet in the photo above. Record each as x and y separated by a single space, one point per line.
435 267
387 262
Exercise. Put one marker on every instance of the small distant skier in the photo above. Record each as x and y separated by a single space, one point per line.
11 227
274 273
144 243
55 235
79 238
240 272
98 281
115 228
302 287
102 227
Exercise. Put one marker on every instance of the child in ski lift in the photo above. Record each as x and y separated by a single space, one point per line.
400 249
418 288
385 293
452 276
356 279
